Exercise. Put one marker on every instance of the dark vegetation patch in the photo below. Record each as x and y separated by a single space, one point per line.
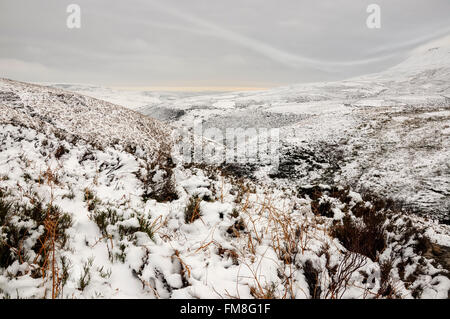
13 234
110 217
103 218
91 200
386 284
365 233
159 190
60 151
234 171
383 203
313 192
322 158
312 278
440 253
229 253
192 210
371 225
144 226
239 170
322 208
368 238
236 228
88 155
8 96
341 193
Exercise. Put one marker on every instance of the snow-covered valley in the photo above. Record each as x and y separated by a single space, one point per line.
386 132
96 203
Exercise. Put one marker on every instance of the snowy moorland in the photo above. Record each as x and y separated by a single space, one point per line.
386 132
96 203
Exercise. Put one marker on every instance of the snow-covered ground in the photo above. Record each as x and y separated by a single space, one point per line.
132 98
96 203
247 241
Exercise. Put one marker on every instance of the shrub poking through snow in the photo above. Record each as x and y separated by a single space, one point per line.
367 238
34 216
31 233
5 207
85 277
341 193
236 228
312 278
260 292
146 227
341 276
157 179
192 210
322 208
229 253
103 218
314 192
386 286
60 151
91 200
88 194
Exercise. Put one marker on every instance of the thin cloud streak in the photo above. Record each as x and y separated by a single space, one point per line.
287 58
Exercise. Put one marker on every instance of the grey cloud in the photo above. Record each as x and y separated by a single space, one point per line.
217 43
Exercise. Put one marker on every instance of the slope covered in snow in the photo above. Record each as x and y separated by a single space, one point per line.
79 116
387 132
95 203
118 227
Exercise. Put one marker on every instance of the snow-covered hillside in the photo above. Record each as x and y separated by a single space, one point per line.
121 227
387 132
96 203
77 116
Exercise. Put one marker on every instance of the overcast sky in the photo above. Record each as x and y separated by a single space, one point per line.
239 43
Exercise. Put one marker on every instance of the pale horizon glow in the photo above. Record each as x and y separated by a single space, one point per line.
191 88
